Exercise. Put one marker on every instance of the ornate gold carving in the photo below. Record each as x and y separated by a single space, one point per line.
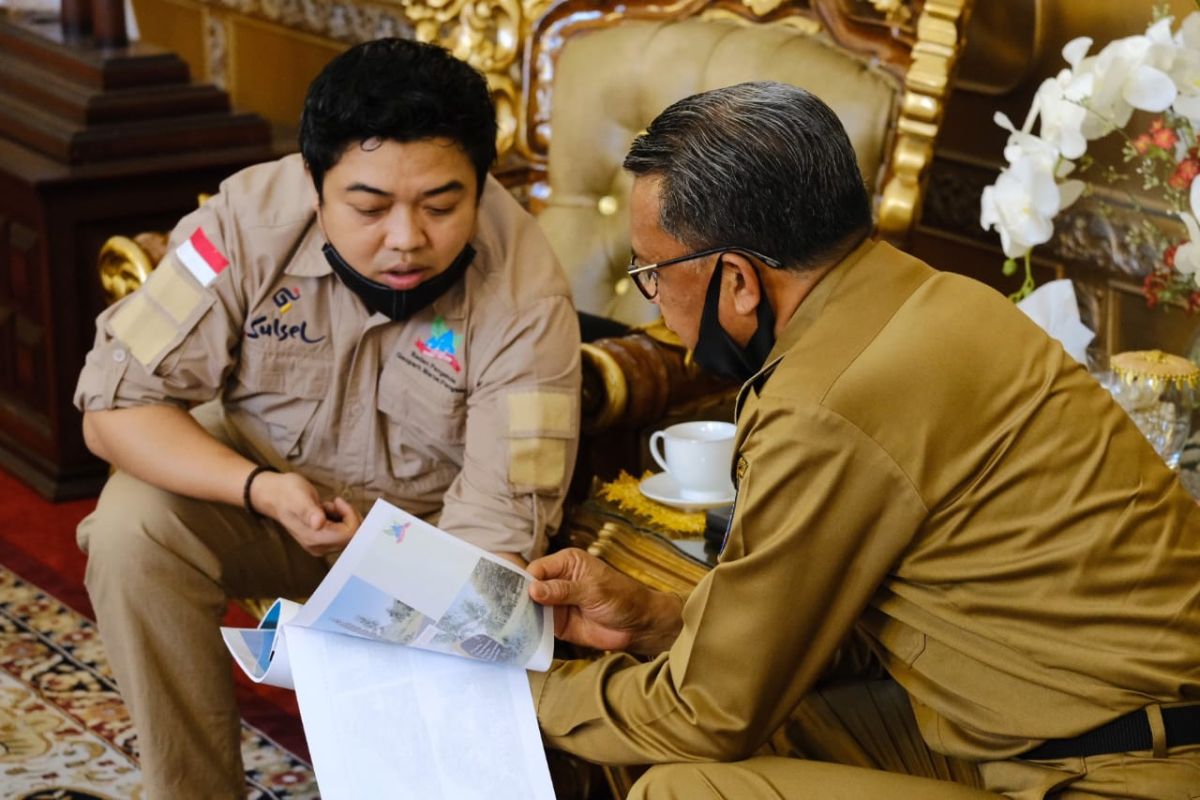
939 40
897 12
601 413
216 49
484 33
487 34
123 266
649 559
762 7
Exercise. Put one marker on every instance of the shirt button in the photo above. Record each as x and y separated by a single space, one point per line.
118 356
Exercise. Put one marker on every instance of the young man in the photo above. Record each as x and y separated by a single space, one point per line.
375 317
928 487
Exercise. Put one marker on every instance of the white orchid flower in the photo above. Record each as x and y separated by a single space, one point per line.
1187 255
1188 35
1061 103
1076 50
1124 79
1186 70
1021 206
1022 144
1164 49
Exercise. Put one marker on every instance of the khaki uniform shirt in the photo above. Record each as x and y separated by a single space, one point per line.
922 466
470 406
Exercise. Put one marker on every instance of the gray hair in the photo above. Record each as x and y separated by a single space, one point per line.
762 165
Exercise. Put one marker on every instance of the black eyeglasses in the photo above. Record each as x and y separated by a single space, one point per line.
645 276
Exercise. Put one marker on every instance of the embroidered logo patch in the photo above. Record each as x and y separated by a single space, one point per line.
264 326
442 344
284 298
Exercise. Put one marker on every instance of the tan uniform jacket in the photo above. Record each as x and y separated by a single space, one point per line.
922 463
470 406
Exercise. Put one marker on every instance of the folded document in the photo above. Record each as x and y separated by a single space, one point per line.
383 717
403 581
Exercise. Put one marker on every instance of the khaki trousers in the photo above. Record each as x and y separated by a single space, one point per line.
860 742
160 571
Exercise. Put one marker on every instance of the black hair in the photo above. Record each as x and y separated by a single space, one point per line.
763 165
401 90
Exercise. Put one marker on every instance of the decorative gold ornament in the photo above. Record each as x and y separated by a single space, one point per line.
896 11
624 492
484 33
1155 368
123 266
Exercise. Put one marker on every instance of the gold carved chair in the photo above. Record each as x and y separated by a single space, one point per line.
596 73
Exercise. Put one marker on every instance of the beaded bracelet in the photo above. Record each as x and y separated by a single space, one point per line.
254 473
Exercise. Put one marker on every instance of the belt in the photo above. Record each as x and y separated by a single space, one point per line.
1127 733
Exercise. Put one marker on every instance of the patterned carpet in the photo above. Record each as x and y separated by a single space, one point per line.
64 732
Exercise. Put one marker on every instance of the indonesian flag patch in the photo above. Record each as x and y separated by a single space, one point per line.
201 258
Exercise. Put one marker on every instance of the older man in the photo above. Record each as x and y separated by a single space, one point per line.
927 486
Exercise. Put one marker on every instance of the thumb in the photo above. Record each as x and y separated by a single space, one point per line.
314 517
555 565
554 593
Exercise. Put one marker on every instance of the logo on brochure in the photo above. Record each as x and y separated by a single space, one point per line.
397 530
284 298
442 344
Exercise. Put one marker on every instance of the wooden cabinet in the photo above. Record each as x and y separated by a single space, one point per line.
92 143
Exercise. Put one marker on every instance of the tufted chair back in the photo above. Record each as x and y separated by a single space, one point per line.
596 74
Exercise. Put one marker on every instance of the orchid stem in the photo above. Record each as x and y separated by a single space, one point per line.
1028 286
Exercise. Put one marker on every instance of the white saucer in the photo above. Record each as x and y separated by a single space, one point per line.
661 488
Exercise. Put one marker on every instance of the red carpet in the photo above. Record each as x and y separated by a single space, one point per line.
37 541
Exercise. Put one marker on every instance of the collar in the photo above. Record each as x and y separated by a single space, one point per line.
453 304
309 261
811 308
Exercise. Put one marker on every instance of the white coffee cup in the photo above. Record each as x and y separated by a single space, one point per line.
698 456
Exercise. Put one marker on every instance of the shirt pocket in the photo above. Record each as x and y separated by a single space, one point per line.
278 395
424 427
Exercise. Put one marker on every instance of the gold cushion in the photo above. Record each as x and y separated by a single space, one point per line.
610 83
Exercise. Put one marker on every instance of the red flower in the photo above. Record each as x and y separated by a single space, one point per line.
1142 143
1165 138
1185 171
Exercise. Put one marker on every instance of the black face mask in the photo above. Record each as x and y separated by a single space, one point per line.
397 304
717 352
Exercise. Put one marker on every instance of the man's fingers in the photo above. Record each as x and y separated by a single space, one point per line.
346 512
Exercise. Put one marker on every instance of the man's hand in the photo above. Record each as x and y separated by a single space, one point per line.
289 499
596 606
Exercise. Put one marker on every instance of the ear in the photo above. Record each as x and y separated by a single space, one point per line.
743 283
